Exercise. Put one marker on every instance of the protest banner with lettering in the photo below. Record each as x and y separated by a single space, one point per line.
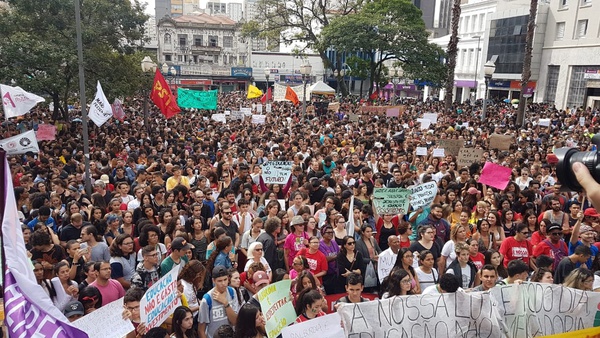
277 172
107 321
236 115
582 121
246 110
259 108
431 117
268 108
445 315
421 151
495 175
46 132
259 119
276 304
219 117
385 263
544 122
451 146
422 195
500 142
439 152
160 301
593 332
468 156
325 327
391 200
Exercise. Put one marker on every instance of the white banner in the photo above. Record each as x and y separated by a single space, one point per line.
219 118
100 109
20 144
259 119
279 92
277 172
16 101
107 321
326 327
422 195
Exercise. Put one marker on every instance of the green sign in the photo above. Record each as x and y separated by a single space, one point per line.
276 304
187 98
391 200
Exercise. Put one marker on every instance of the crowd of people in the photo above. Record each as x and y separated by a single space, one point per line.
188 193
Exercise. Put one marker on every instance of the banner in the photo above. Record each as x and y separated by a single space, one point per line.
107 321
117 108
16 101
468 156
28 310
277 172
391 200
162 97
100 109
326 327
279 92
351 221
431 117
160 301
219 118
421 151
259 119
422 195
276 303
46 132
20 144
439 152
451 146
500 142
236 115
495 175
188 98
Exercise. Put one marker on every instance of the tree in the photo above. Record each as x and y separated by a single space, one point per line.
39 50
526 75
452 51
360 69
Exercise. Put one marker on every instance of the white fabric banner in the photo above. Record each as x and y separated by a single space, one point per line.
279 92
20 144
100 109
16 101
258 119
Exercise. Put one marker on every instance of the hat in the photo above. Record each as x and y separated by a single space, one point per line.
443 163
297 220
104 178
179 243
73 308
585 228
553 227
378 145
591 212
473 191
219 271
260 278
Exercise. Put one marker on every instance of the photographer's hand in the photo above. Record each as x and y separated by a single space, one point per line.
592 188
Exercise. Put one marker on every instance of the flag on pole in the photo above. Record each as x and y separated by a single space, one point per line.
374 95
100 109
268 96
20 144
253 92
162 97
290 94
16 101
29 311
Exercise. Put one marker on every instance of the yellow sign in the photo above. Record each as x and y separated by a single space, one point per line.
593 332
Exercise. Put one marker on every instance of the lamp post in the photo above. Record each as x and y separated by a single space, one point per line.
169 72
478 37
267 74
488 71
148 67
305 70
393 73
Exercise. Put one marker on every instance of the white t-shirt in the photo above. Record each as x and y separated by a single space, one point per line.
431 290
425 279
466 275
448 252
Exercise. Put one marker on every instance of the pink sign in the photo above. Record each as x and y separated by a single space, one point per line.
495 175
392 112
117 108
46 132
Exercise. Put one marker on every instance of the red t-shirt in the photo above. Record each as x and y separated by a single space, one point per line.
302 317
478 260
317 262
512 249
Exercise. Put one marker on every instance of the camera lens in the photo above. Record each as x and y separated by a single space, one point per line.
564 168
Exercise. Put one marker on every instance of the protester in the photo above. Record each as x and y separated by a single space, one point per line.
218 306
448 283
110 289
309 305
488 277
250 323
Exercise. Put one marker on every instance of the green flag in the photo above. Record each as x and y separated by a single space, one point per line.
187 98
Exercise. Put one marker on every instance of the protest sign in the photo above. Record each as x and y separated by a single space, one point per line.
391 112
451 147
219 117
268 108
106 321
385 263
20 144
431 117
495 175
350 223
425 123
391 200
468 156
46 132
259 119
333 298
439 152
246 110
277 172
325 327
422 195
276 304
544 122
421 151
259 108
353 117
582 121
160 300
236 115
457 314
500 142
374 109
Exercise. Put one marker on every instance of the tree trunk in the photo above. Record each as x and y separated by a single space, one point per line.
526 75
362 81
452 51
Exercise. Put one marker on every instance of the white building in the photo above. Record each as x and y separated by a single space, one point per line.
235 11
284 68
150 33
570 64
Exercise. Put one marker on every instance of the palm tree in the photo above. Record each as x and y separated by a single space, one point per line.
526 75
452 51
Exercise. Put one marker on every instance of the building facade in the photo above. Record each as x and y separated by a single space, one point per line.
437 15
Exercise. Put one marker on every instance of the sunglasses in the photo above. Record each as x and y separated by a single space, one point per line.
226 212
350 243
258 249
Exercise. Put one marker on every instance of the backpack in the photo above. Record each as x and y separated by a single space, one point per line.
208 298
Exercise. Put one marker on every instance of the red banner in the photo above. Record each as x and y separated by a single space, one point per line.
162 97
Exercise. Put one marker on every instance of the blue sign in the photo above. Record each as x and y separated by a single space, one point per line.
500 84
241 72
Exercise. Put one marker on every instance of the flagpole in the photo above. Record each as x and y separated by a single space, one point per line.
83 101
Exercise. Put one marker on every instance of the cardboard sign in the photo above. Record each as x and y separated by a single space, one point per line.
391 200
246 110
544 122
431 117
276 303
259 108
500 142
385 263
582 121
391 112
468 156
495 175
422 195
160 301
451 146
277 172
421 151
353 117
236 115
107 321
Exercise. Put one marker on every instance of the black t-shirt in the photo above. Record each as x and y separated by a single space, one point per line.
231 230
69 232
435 249
52 256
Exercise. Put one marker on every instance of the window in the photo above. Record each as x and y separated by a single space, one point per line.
213 41
168 58
552 84
586 2
228 42
198 40
167 39
560 30
517 30
564 3
182 40
582 26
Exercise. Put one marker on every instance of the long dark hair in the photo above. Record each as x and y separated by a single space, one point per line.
245 325
399 260
307 297
391 283
178 317
344 242
115 251
221 244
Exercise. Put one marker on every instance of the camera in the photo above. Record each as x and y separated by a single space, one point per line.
568 156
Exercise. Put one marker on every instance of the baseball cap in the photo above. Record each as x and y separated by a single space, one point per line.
297 220
553 227
179 243
591 212
472 191
585 228
219 271
260 278
73 308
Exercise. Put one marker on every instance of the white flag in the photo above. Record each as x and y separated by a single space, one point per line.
16 101
20 144
100 109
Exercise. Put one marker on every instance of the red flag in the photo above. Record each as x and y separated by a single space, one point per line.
162 97
290 94
374 95
267 96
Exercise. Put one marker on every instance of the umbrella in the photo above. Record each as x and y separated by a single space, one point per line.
514 101
506 100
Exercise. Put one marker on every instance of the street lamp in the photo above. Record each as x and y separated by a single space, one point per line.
393 73
478 37
488 71
148 67
305 70
267 74
169 72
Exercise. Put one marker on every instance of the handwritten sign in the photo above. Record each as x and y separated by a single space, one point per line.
160 301
391 200
425 123
268 108
385 263
46 132
495 175
422 195
500 142
236 115
421 151
451 146
544 122
353 117
468 156
439 152
259 108
431 117
333 106
277 172
219 118
246 110
391 112
325 327
259 119
276 304
107 321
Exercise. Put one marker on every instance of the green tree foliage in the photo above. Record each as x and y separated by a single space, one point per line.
39 47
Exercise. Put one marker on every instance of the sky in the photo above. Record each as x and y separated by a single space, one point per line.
149 7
